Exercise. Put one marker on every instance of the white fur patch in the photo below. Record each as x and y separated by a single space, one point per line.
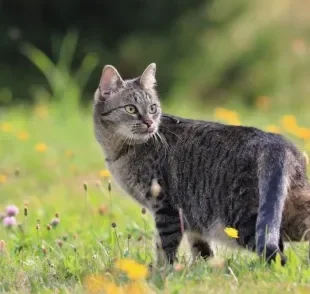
216 235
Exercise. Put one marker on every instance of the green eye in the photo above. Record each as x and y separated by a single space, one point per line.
131 109
153 109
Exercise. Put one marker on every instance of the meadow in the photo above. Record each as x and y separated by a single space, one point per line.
67 228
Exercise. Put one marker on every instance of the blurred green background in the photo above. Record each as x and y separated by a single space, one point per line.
212 52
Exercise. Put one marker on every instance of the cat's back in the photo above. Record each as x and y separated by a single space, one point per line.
217 135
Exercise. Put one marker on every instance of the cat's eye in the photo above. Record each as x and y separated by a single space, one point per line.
153 109
131 109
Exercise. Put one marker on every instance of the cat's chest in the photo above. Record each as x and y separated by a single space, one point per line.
130 179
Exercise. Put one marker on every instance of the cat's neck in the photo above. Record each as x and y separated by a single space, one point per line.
115 148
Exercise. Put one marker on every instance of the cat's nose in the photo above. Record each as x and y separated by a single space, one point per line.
148 122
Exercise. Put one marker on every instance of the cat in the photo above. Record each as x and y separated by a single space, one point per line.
213 175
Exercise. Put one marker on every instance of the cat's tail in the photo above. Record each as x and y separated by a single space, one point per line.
273 191
296 215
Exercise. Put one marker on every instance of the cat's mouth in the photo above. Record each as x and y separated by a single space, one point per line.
144 133
149 130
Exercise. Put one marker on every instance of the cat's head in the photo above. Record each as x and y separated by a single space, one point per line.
127 109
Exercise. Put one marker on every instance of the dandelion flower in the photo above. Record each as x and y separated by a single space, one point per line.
9 221
134 270
289 123
302 133
6 127
23 136
273 129
234 122
136 288
230 116
104 173
231 232
41 147
11 210
99 284
3 178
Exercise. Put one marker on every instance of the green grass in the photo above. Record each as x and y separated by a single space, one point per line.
53 182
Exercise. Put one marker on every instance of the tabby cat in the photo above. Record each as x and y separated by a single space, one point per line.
216 175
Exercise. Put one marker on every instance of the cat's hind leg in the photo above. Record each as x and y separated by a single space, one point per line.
273 190
247 234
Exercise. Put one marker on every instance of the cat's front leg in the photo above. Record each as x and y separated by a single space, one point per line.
169 235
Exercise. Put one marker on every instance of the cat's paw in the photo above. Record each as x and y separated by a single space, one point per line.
270 252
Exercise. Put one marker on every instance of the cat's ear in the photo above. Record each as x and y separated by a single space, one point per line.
148 80
110 82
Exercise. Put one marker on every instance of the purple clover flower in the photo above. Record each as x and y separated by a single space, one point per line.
55 222
9 221
12 210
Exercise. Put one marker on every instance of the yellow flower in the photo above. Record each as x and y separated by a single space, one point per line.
136 288
273 129
99 284
6 127
134 270
302 133
232 117
3 178
104 173
41 147
289 123
231 232
23 136
234 121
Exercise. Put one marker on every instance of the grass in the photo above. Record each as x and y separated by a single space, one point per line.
51 165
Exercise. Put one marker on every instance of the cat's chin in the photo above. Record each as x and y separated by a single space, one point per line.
143 137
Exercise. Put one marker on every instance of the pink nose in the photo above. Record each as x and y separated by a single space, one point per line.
148 122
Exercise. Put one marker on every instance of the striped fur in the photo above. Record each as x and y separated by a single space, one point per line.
218 175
